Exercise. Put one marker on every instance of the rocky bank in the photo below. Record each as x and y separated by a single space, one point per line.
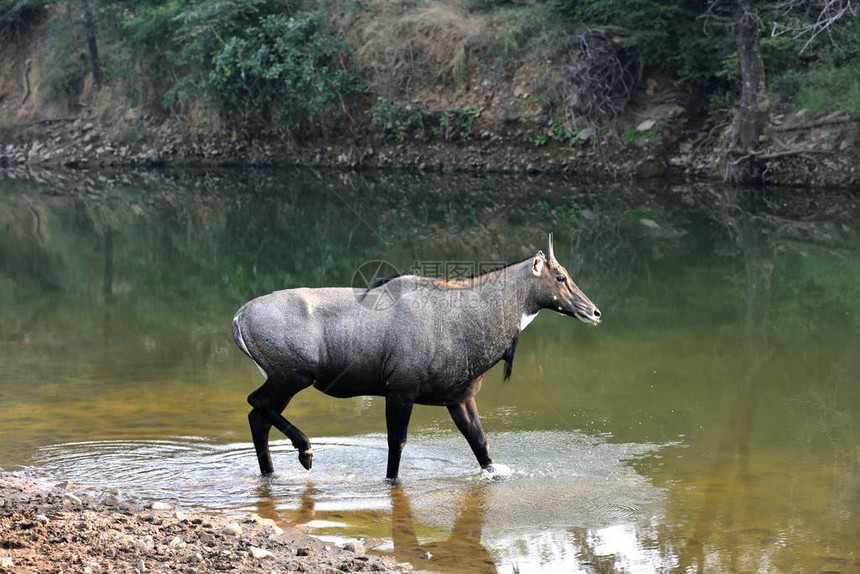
816 153
50 526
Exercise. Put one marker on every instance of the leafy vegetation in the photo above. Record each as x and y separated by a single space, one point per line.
560 132
694 44
825 79
254 60
398 121
285 66
304 66
632 135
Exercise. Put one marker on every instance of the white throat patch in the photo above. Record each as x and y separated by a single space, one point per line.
526 319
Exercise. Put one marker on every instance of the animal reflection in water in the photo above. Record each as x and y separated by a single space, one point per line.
461 551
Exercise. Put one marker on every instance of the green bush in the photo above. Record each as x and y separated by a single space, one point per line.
539 140
825 78
632 135
175 42
830 89
842 48
287 67
783 87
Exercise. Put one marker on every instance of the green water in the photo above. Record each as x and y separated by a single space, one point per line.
709 424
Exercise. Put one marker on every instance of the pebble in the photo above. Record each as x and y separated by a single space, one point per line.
354 546
195 558
110 500
207 538
585 135
158 505
232 529
6 562
41 519
260 520
260 553
174 542
71 500
179 515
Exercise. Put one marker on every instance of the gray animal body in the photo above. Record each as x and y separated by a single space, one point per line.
410 339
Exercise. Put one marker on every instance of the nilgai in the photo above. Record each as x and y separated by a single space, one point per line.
430 344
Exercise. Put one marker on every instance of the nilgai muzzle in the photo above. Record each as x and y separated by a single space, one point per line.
431 345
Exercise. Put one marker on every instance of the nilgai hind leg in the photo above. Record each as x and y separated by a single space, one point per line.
268 402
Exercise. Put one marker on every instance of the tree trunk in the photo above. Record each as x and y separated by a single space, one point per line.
754 106
90 29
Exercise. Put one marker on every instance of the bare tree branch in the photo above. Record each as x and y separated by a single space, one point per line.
810 18
598 84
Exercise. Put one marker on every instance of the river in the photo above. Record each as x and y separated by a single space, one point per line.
708 424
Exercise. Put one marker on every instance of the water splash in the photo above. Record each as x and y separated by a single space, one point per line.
496 471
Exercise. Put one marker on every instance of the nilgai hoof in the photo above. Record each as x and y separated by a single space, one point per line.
307 459
496 471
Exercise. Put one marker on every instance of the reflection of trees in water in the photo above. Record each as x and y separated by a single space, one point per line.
731 466
186 245
725 508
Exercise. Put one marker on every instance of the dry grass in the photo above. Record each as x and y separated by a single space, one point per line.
445 54
398 42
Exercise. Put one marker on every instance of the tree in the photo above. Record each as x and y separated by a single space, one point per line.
92 44
751 119
797 17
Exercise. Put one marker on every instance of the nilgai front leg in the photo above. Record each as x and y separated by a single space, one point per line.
466 417
268 402
397 412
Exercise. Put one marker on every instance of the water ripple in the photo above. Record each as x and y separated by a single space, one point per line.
568 467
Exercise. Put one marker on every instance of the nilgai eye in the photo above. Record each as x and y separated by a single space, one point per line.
561 278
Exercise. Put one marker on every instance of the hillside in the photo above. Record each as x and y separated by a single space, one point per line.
612 89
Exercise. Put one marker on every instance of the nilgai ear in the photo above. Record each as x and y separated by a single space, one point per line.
537 265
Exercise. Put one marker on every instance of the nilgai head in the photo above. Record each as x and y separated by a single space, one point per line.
555 289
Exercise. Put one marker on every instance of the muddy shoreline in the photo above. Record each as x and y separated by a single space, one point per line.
48 525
